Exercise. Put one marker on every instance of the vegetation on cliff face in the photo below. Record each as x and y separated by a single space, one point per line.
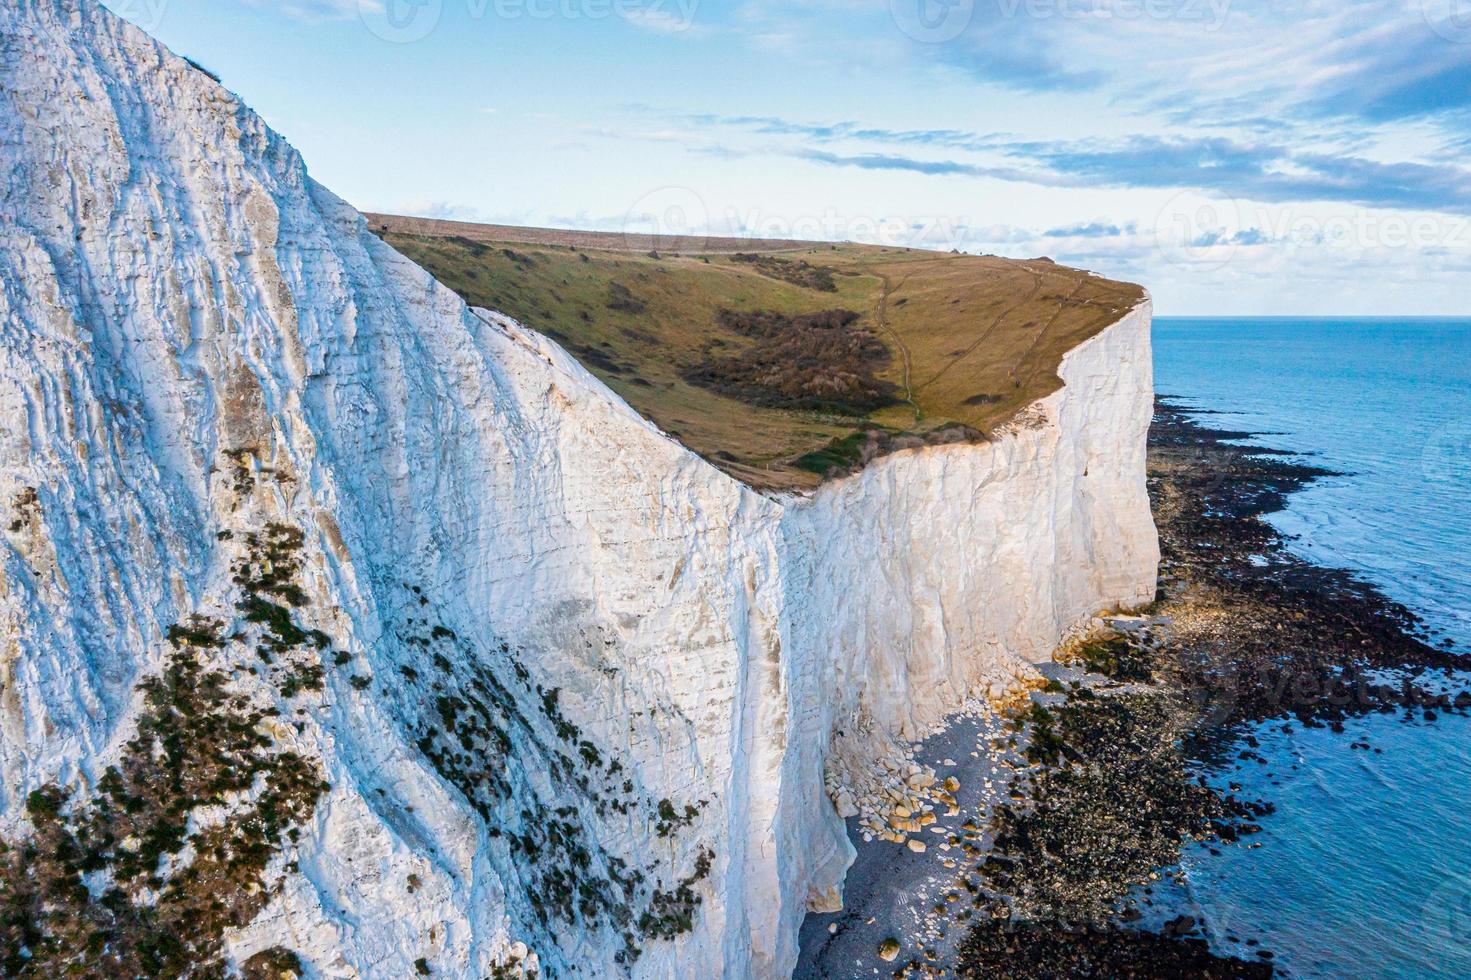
740 353
136 880
474 731
143 875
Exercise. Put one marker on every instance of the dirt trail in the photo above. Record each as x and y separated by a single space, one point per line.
881 315
1042 331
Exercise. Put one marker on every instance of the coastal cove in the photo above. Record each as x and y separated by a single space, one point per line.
1293 726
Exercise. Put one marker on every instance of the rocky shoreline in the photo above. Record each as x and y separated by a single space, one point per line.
1102 767
1258 632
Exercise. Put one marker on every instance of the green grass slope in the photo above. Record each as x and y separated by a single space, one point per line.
793 363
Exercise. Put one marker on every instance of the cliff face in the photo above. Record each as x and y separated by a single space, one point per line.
937 575
536 675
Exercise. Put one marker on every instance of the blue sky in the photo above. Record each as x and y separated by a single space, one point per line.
1236 156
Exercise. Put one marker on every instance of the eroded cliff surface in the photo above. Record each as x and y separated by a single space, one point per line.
340 621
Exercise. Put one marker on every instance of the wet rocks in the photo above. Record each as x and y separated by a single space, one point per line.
1005 950
1092 794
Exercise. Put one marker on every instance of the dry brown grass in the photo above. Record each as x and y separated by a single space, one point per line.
971 340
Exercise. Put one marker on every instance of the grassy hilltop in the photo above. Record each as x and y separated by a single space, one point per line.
782 362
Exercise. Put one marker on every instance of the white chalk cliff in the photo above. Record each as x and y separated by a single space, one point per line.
578 690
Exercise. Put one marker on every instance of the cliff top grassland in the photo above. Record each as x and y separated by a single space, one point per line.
783 363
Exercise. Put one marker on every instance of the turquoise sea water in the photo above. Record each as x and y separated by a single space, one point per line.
1365 868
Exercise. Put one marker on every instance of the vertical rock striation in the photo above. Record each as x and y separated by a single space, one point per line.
569 692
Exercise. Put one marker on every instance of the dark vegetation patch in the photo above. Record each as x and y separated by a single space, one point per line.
25 506
671 913
672 819
850 453
116 883
773 326
813 361
843 454
242 473
982 399
476 249
104 886
272 964
622 300
597 358
1116 658
196 631
266 574
798 272
520 260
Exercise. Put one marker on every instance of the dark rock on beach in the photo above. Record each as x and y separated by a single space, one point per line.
1052 952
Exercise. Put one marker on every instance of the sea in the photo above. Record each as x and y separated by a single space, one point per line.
1364 869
